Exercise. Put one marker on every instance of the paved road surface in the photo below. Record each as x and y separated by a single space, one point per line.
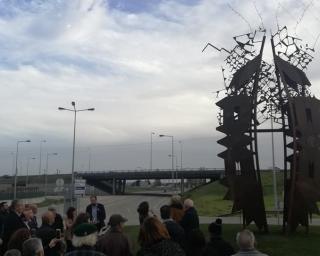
127 206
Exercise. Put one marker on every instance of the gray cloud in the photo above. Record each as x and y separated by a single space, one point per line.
142 72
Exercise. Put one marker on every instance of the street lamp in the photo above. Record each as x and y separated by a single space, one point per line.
182 179
16 173
13 162
74 110
180 142
40 155
28 161
46 174
172 152
152 133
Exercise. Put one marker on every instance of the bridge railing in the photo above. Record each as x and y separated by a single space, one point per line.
154 170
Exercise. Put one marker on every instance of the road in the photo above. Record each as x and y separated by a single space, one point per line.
127 206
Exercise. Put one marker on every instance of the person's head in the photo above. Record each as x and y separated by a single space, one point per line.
245 239
93 199
4 206
188 203
116 222
152 231
196 239
175 199
18 238
85 234
53 210
32 247
28 213
71 213
143 208
215 228
34 208
48 218
17 206
12 252
82 217
165 212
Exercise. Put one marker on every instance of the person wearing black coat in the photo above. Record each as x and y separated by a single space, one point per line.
13 221
190 219
217 246
175 231
4 211
58 221
96 212
47 234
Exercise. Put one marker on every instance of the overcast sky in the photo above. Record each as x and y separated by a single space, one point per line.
139 63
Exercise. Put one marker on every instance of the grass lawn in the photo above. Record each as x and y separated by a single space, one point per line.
49 201
273 244
208 198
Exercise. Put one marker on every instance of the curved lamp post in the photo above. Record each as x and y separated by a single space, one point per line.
172 152
16 173
46 174
75 111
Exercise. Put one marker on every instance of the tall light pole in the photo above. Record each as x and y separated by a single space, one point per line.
13 162
28 162
74 110
16 173
40 155
152 133
181 145
172 152
89 162
182 179
46 174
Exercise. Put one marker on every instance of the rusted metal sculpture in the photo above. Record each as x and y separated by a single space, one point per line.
255 92
301 126
239 123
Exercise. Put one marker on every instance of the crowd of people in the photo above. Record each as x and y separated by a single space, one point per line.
175 232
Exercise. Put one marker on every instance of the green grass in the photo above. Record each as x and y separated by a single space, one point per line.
273 244
209 198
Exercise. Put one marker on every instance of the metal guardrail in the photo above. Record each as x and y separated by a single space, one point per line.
164 174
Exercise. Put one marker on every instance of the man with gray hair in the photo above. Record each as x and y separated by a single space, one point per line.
246 242
190 219
32 247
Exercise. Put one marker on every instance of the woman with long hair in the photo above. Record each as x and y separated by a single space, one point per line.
69 221
154 240
143 211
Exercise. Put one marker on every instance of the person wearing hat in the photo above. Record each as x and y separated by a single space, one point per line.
115 242
84 240
216 245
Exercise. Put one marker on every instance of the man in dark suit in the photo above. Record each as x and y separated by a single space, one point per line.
96 212
13 221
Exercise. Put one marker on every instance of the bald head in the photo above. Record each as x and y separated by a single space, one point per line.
245 240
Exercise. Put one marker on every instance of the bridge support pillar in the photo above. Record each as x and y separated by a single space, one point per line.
182 185
123 186
113 186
